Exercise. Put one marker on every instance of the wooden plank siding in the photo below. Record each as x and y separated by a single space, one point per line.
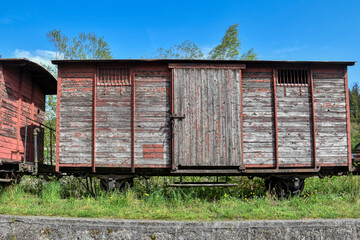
152 116
75 120
22 102
113 125
258 128
330 116
294 125
113 120
210 133
222 117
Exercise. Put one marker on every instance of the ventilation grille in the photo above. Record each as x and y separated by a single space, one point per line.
114 76
295 77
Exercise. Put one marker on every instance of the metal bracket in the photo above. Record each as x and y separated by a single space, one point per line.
242 168
177 117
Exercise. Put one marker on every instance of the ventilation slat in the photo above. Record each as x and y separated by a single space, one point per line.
292 77
114 76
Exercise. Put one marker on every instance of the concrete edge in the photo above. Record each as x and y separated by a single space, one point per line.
38 227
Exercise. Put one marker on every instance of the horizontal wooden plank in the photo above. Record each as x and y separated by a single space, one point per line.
332 159
295 160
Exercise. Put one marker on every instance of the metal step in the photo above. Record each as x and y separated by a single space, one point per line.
202 184
5 180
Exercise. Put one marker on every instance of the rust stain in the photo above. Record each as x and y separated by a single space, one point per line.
151 151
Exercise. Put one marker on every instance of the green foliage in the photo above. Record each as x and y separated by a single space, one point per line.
230 46
50 133
83 46
186 50
355 134
249 55
336 197
354 100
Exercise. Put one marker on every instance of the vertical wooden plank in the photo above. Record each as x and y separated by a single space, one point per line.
348 129
235 144
204 114
30 143
180 111
19 108
227 104
216 129
276 147
191 111
57 156
94 122
200 123
173 131
211 106
222 81
196 160
313 115
197 110
185 124
241 121
132 80
230 130
224 109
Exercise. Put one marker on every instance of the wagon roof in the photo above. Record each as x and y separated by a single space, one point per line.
348 63
45 79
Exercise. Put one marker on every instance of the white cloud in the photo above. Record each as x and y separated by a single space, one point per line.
38 56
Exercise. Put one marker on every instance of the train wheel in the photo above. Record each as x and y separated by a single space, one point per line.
297 188
284 187
8 180
120 185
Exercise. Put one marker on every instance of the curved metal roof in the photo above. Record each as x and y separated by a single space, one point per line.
45 79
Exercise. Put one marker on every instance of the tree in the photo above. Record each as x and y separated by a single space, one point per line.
354 99
186 50
230 46
83 46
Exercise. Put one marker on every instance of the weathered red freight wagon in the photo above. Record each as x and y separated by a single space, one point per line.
280 120
23 86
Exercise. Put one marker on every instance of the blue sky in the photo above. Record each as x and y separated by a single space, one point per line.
278 30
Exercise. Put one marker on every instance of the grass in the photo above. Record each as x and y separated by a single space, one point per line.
337 197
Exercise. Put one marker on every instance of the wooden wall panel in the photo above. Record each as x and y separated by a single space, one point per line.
76 117
113 125
22 104
258 126
152 117
330 116
294 125
210 133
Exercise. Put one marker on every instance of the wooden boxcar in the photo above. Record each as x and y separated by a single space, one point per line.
284 119
23 86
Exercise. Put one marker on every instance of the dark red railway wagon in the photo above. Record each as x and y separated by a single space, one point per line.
280 119
23 86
